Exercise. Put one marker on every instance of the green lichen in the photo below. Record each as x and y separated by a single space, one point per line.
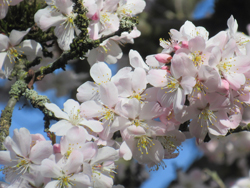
128 23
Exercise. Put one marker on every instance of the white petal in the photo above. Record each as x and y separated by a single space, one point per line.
31 49
40 151
100 72
4 42
109 94
87 91
105 154
56 110
17 36
136 60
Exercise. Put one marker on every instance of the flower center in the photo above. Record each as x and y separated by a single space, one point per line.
13 54
197 58
109 114
207 116
69 22
173 84
224 67
64 182
75 118
144 143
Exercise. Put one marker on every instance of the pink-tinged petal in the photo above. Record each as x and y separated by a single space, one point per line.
217 102
210 77
3 10
197 130
101 180
175 35
156 128
74 138
218 129
156 153
109 94
87 91
57 148
131 108
53 183
136 131
235 80
40 151
4 42
125 152
229 50
136 60
157 78
105 154
106 134
56 110
89 150
153 62
95 126
110 5
50 169
31 49
119 123
45 20
61 127
92 8
187 83
150 94
100 72
114 52
65 36
182 65
232 25
76 135
197 44
80 180
71 107
150 110
241 64
74 162
90 109
17 36
5 158
111 23
219 40
139 81
124 87
179 100
65 6
23 140
215 57
37 137
165 98
122 73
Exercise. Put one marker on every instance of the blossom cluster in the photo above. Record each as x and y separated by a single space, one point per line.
194 78
104 16
207 81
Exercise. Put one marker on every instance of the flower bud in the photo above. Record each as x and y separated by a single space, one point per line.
163 58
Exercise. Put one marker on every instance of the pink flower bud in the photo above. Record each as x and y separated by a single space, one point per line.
95 16
164 68
163 58
176 47
56 148
184 44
